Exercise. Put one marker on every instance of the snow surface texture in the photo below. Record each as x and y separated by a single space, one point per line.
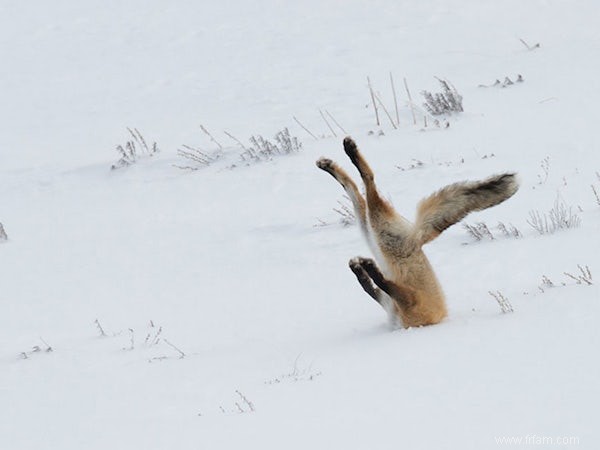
230 320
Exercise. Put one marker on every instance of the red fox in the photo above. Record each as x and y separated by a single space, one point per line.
404 283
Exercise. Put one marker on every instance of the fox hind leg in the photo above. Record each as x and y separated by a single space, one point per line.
392 232
351 150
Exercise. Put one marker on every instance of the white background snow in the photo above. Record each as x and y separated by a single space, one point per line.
228 263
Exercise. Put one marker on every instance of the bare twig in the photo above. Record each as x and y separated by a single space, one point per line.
373 100
137 136
328 125
305 129
245 400
211 137
48 347
131 340
181 354
195 155
386 111
3 235
336 122
585 277
100 329
593 189
156 339
529 47
412 107
395 99
232 137
346 213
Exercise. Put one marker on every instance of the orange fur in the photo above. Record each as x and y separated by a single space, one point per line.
406 285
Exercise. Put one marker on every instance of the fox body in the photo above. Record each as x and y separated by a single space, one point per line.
402 281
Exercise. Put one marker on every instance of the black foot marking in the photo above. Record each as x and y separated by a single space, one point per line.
404 296
351 149
364 280
325 164
371 268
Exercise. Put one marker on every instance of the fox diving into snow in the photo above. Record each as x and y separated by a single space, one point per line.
403 282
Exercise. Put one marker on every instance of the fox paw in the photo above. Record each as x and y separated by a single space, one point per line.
359 261
354 264
325 164
350 148
368 264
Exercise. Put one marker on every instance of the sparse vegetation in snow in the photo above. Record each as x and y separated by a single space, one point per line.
345 211
196 158
262 149
480 231
584 276
134 149
446 102
503 302
506 83
44 348
559 217
3 235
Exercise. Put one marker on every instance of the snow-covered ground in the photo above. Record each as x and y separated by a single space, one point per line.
243 270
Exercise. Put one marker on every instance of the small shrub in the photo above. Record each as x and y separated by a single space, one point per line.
545 165
298 373
133 150
445 102
503 302
480 231
510 231
346 213
585 276
240 406
262 149
558 218
151 343
546 283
